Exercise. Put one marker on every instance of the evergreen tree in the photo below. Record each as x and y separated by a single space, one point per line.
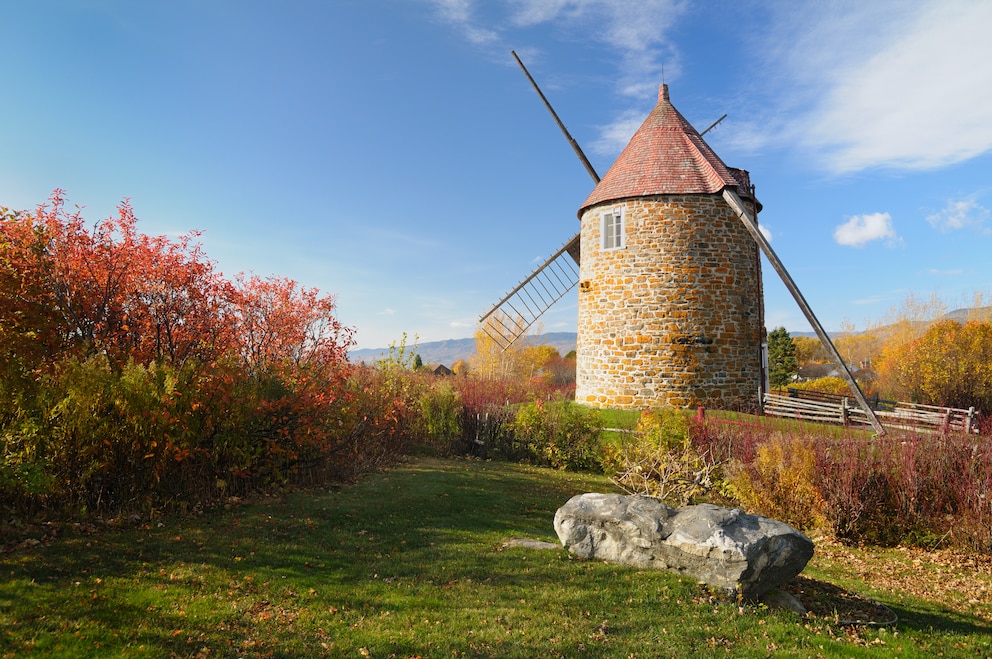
781 357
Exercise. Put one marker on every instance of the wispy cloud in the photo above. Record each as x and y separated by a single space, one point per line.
461 15
961 214
955 272
636 30
892 84
860 230
886 84
765 231
614 136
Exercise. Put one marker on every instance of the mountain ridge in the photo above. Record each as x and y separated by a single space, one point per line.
449 351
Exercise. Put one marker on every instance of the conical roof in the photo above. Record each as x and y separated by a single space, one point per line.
665 156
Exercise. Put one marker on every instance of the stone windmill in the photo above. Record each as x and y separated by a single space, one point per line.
668 268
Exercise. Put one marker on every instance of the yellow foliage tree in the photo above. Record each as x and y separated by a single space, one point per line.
951 364
522 360
809 350
491 361
910 319
857 348
533 359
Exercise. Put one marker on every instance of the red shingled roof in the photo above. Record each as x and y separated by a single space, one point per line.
665 156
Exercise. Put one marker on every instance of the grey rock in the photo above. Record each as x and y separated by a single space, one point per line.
722 547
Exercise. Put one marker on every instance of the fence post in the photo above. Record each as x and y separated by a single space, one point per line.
843 411
968 420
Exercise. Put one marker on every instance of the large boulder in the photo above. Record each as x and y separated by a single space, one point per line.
725 548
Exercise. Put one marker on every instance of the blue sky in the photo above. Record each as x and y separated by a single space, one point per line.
391 153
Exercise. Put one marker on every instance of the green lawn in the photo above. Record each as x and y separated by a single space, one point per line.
409 563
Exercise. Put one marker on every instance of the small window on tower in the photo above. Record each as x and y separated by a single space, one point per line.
613 229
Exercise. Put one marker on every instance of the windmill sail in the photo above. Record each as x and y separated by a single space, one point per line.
742 211
511 317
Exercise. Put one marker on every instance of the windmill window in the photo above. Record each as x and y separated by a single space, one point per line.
613 229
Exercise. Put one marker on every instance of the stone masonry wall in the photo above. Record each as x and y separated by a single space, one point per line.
675 316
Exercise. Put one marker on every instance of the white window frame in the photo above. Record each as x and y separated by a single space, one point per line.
612 225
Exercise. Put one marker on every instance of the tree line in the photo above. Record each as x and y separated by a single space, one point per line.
916 354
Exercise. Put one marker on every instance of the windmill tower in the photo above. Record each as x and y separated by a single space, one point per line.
670 295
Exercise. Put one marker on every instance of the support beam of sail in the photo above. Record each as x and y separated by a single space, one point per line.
744 213
511 317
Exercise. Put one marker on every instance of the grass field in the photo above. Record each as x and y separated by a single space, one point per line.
410 563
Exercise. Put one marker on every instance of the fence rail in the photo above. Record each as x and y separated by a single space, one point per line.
832 408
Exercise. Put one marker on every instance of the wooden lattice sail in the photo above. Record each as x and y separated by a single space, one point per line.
512 316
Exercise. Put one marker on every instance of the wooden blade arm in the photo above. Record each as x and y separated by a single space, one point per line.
744 213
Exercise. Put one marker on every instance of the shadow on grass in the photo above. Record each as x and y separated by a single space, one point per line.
828 602
924 618
378 562
403 538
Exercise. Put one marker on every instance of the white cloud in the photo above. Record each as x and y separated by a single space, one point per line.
965 213
860 230
956 272
765 231
899 85
387 312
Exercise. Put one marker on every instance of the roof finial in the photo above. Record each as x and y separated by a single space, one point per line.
663 93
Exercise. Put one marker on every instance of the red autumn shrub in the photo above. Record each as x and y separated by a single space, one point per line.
134 375
900 488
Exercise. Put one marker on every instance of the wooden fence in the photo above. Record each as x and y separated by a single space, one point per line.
834 408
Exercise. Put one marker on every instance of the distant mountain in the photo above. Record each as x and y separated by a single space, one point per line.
449 351
959 315
964 315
